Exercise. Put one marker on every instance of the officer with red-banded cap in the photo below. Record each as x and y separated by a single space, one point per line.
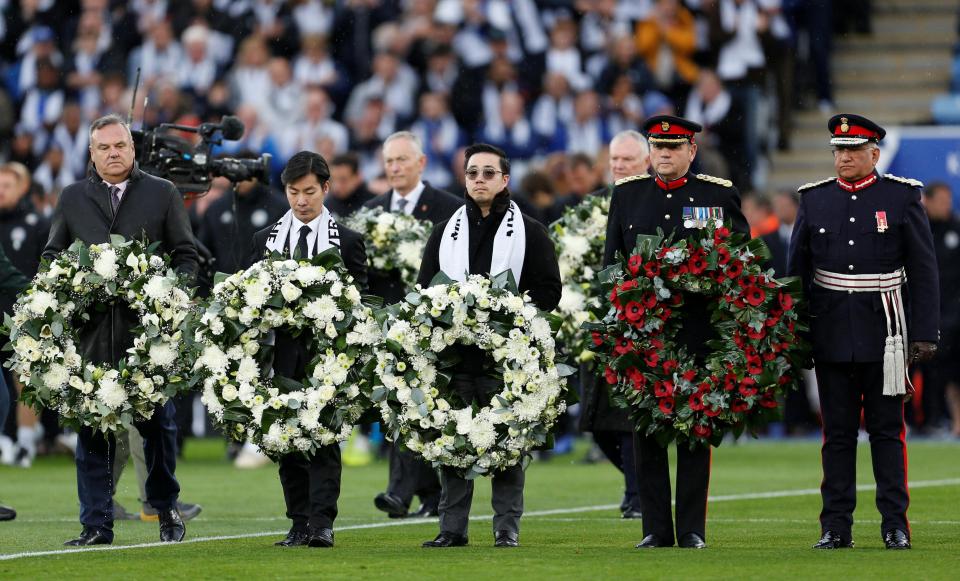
863 247
680 203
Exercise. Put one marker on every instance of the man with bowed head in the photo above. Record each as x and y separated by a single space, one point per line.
488 236
311 486
119 198
681 203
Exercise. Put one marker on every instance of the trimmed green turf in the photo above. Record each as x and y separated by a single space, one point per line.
748 538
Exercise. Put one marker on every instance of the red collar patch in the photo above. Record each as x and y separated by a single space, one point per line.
858 185
673 184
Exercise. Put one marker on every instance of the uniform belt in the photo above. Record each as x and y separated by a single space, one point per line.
896 381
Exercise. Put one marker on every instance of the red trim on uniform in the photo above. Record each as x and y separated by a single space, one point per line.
673 130
855 131
671 185
917 401
857 185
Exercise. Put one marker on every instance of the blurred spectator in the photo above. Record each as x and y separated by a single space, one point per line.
250 74
624 62
666 40
512 133
440 135
393 82
629 155
563 57
317 126
441 73
161 56
43 105
941 377
348 190
588 130
53 174
71 136
312 17
283 106
314 67
89 60
537 188
812 22
198 71
582 178
256 138
712 106
42 47
758 210
552 111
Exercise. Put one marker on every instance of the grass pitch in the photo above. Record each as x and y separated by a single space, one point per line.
762 520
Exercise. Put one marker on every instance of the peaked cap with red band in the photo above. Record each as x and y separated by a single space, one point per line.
670 130
852 130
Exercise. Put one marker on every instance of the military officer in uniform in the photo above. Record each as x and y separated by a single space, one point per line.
863 248
678 202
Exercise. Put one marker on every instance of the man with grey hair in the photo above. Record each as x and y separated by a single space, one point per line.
629 154
403 165
119 198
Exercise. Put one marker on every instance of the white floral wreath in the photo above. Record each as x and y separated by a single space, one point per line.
43 334
395 241
285 415
412 394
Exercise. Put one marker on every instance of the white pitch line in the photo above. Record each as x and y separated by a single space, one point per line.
409 522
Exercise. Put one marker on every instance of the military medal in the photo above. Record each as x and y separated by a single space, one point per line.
881 221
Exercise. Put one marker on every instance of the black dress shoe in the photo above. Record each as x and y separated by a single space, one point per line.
506 539
833 540
652 542
896 539
7 513
295 538
692 541
390 504
447 540
631 513
321 538
171 526
91 536
425 511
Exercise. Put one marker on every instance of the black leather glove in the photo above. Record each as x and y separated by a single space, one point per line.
922 351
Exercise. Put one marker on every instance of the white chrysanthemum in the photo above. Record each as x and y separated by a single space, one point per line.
410 253
575 246
157 287
162 354
56 376
111 393
323 310
40 301
105 264
255 295
482 434
248 370
214 359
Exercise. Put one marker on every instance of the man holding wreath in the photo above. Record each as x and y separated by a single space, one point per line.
118 198
488 235
311 486
680 203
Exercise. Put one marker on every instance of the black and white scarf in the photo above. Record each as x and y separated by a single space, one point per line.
509 245
279 238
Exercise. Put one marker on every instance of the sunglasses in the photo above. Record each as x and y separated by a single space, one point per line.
488 173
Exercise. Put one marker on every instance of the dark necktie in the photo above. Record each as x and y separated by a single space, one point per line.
114 197
402 205
302 249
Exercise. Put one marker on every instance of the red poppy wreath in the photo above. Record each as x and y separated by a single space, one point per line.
754 357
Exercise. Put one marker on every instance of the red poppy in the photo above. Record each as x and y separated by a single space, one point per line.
649 300
634 263
729 382
702 431
784 379
676 299
754 365
705 386
628 285
786 301
669 366
711 412
634 311
734 269
652 359
636 378
663 388
651 269
768 400
755 295
665 314
610 375
666 406
739 406
597 338
613 296
697 263
747 390
696 402
689 374
756 335
769 356
723 255
656 343
721 233
623 346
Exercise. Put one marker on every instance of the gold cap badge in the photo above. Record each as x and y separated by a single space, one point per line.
664 126
843 125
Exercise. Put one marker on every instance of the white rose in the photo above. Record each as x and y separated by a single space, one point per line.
326 393
290 292
229 392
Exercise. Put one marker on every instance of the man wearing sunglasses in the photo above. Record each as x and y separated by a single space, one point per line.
403 165
488 236
863 247
681 203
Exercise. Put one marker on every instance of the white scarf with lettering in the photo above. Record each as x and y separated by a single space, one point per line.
279 238
509 245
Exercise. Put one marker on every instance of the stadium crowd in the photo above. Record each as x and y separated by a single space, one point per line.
548 81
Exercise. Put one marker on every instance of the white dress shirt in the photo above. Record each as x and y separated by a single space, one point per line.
314 226
411 199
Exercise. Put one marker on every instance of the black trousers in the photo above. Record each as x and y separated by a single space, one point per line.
412 476
311 487
693 479
846 389
95 456
619 449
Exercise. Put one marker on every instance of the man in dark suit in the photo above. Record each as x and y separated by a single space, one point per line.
490 218
862 246
118 198
12 282
311 486
403 163
680 203
348 191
